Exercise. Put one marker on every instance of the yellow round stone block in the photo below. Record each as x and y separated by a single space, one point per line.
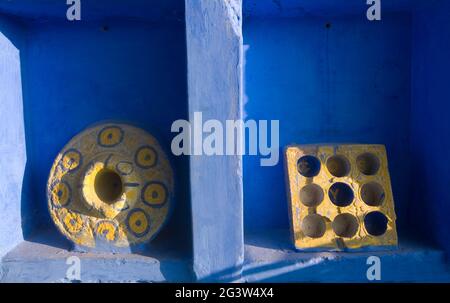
111 184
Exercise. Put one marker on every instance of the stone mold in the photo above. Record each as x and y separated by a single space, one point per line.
111 186
340 197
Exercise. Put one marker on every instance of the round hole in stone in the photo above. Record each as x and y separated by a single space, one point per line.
108 185
345 225
368 163
375 223
311 195
338 166
314 226
308 166
341 194
372 194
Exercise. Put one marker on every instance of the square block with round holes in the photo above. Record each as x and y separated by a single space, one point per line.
340 197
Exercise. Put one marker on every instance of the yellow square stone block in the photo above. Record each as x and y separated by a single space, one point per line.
340 197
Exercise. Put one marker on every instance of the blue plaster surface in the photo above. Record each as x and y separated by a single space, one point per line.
301 8
349 83
430 124
150 10
12 135
39 260
214 44
270 258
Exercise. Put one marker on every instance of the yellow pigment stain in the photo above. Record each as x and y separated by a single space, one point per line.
155 194
107 230
110 136
73 222
71 160
60 194
146 157
138 222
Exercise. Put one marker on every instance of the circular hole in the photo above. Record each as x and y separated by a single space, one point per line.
375 223
311 195
345 225
108 185
338 166
372 194
308 166
313 226
341 194
368 164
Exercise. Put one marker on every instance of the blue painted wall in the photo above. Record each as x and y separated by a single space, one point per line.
296 8
430 125
77 74
346 83
154 10
12 134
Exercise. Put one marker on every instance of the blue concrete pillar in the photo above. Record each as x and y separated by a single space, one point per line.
12 137
214 51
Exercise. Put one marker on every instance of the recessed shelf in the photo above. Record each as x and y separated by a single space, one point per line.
318 66
329 75
43 258
120 62
270 257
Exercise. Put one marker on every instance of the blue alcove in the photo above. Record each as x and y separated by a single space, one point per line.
318 66
123 62
331 76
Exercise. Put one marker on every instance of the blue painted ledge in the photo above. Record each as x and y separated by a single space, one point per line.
269 257
38 261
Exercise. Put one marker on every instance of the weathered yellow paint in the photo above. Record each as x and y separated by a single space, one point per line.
146 157
142 205
60 194
138 222
110 136
107 229
108 210
154 194
71 160
73 222
326 211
